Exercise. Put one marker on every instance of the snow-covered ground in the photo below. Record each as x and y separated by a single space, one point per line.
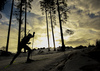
72 60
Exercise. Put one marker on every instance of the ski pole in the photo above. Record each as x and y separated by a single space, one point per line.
32 47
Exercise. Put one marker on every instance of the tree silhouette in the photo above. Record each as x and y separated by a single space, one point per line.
2 3
25 20
22 6
49 6
52 29
20 22
9 26
51 10
44 7
61 7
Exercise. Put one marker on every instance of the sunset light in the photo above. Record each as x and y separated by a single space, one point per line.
83 21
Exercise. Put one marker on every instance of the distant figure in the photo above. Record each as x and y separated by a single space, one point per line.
22 44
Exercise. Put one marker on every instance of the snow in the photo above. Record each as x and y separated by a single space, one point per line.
72 60
78 60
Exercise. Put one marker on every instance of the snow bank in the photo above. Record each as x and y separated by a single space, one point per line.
77 60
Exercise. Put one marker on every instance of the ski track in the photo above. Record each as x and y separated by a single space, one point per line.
42 63
73 60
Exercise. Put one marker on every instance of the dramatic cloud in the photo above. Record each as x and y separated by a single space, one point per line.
83 20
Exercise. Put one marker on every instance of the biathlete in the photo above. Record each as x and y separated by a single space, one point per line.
22 44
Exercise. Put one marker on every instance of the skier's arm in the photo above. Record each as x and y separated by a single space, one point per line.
33 34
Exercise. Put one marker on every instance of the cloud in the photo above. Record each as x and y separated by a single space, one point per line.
13 37
84 14
91 6
82 37
36 7
4 19
84 20
77 42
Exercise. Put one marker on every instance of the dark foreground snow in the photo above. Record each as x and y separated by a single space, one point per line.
73 60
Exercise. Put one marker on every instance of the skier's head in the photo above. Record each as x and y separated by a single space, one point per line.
29 35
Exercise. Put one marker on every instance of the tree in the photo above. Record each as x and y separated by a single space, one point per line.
62 39
22 7
20 22
51 16
47 31
9 26
2 3
44 7
61 7
49 7
25 20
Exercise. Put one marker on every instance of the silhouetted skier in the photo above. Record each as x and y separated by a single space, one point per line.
22 44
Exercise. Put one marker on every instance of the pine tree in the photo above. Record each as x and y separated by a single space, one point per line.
7 44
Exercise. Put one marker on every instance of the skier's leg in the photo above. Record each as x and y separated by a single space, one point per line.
16 55
29 52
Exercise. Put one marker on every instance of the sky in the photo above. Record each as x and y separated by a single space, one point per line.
84 20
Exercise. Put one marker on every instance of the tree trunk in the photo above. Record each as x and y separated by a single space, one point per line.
62 39
9 26
47 31
20 22
52 31
25 20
